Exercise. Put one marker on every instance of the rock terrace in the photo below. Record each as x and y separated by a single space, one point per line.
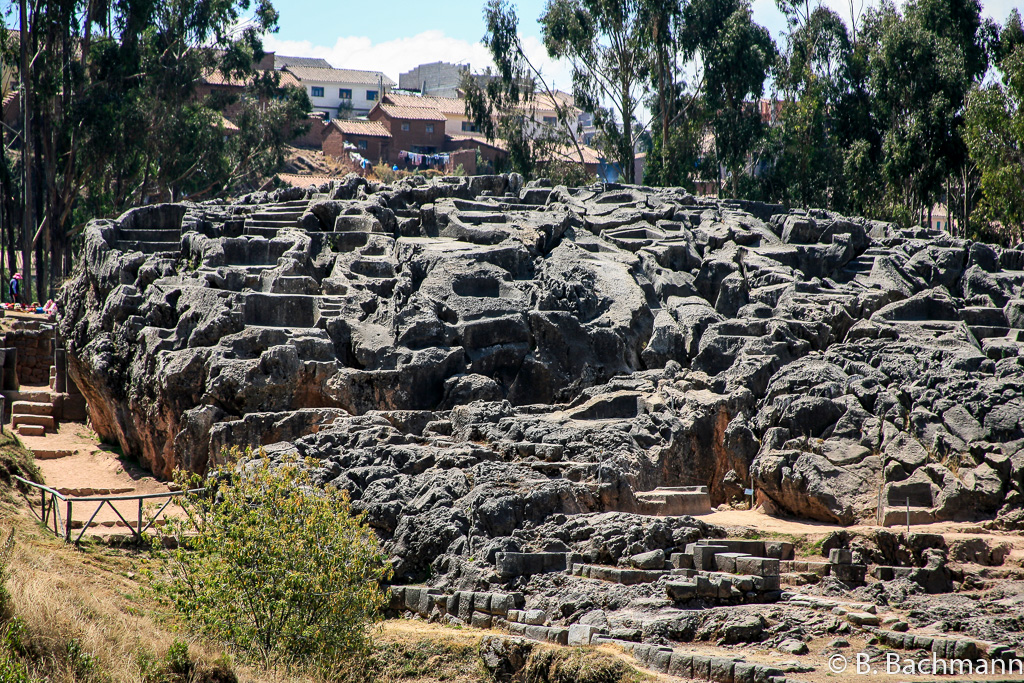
493 368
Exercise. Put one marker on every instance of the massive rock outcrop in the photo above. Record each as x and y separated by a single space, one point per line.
472 355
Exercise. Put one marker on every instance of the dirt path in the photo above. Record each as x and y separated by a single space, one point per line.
740 521
73 462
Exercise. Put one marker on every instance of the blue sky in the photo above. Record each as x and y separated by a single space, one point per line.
397 35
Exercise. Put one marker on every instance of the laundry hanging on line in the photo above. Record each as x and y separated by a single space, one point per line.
417 159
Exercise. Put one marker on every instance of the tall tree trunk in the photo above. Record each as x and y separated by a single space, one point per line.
27 222
628 153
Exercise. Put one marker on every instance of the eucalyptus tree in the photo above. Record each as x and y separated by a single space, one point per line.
923 62
735 54
995 136
115 115
813 78
607 44
505 107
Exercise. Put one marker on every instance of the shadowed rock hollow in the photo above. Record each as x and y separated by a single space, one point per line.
484 363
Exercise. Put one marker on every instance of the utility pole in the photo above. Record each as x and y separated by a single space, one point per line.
26 153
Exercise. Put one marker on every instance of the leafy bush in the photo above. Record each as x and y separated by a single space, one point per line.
15 459
179 662
280 570
385 174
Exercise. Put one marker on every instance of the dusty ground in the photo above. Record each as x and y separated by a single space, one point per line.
90 468
755 522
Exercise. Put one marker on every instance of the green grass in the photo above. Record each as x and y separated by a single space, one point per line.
15 459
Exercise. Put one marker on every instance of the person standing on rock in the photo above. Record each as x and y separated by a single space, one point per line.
15 287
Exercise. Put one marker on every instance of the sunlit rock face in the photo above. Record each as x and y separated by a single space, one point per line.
480 353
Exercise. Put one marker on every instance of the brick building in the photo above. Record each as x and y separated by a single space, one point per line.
454 110
493 154
371 139
215 84
414 131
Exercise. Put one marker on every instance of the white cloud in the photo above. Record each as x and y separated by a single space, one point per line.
402 54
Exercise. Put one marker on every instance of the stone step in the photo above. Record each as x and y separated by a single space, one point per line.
149 235
34 396
480 217
674 501
269 233
988 331
859 265
371 267
148 247
45 421
31 430
276 216
51 454
32 408
984 316
271 223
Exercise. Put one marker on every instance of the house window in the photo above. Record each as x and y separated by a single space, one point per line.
550 120
405 127
345 93
468 127
430 128
316 91
371 95
361 144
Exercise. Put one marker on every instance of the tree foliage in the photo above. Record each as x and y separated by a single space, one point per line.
923 63
995 134
507 107
116 120
282 571
606 43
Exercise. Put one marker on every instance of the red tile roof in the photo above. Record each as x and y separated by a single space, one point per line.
373 129
412 113
321 75
497 143
215 77
446 105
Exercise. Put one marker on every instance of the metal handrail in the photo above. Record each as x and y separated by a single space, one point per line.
48 508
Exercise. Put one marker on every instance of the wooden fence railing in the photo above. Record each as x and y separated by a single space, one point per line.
51 501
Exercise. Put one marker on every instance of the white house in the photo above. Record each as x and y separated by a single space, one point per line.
334 90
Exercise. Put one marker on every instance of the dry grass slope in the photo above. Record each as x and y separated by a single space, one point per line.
15 459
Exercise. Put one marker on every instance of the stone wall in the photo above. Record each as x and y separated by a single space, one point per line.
34 343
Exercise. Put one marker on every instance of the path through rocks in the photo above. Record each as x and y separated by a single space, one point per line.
73 462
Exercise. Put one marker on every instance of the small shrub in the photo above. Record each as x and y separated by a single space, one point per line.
277 568
179 663
15 459
11 670
83 663
388 175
